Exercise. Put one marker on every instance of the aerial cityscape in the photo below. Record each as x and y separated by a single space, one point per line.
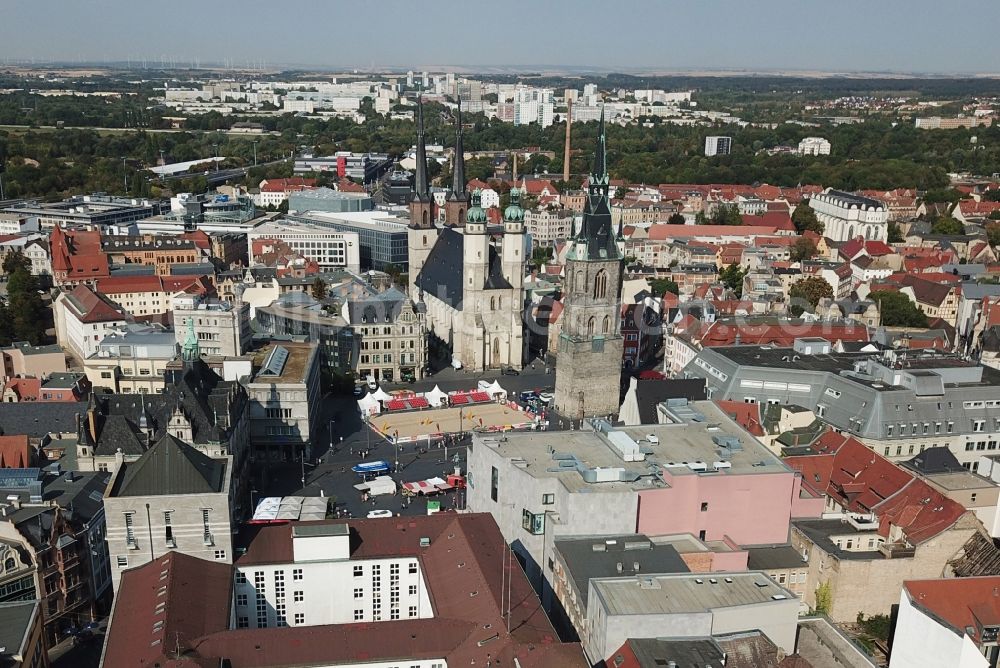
662 335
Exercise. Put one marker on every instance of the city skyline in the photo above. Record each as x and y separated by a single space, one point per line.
726 35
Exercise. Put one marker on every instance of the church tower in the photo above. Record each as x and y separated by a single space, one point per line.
512 244
422 233
589 357
458 199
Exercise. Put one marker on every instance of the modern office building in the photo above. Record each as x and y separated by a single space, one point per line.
381 236
329 201
96 211
897 403
846 216
718 146
330 249
221 327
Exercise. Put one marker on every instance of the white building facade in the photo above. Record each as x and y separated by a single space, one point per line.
846 216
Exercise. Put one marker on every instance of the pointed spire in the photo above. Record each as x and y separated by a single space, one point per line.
420 186
190 351
600 154
458 172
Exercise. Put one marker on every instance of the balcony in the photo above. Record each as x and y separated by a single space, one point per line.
897 550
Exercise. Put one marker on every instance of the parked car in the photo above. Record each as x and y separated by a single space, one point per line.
508 370
653 438
372 383
373 514
545 397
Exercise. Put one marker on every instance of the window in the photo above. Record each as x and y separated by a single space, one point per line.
122 562
978 425
413 567
413 588
358 614
359 571
220 555
701 535
704 506
533 523
296 573
242 622
130 532
413 611
206 531
601 284
297 596
241 599
494 483
394 613
548 499
359 592
972 498
300 618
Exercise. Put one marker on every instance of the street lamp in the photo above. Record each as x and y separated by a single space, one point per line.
254 152
125 174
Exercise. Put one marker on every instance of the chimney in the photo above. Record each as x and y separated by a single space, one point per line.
569 122
513 170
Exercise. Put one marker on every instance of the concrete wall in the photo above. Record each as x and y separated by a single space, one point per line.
750 509
778 620
922 642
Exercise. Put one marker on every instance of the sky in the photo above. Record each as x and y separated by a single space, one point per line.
904 36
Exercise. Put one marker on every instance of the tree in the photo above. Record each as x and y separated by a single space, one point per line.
621 192
897 310
941 196
804 218
676 219
14 261
732 278
824 598
993 234
895 234
947 225
802 249
808 290
540 256
27 315
727 214
318 289
661 286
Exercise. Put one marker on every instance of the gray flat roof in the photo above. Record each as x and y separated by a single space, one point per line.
687 592
316 530
769 557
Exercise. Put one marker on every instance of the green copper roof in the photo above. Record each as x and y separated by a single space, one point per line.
476 212
514 210
190 351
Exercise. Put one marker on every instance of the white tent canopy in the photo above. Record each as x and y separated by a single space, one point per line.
436 397
496 391
368 405
381 395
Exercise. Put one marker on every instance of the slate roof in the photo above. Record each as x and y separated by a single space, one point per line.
650 393
934 460
80 495
771 557
442 273
495 280
15 625
38 419
171 466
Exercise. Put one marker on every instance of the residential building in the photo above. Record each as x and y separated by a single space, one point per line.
61 386
330 249
77 257
940 469
718 146
597 480
299 315
814 146
947 622
783 564
83 318
939 123
275 191
159 251
222 328
734 650
390 335
38 253
173 497
547 226
149 296
381 235
21 358
284 393
688 605
896 403
132 360
21 635
287 600
881 525
846 216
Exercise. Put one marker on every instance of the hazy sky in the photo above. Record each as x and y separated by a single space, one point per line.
832 35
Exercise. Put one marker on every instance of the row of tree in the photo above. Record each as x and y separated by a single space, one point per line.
24 315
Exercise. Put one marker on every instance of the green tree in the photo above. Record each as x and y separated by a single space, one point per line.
676 219
621 192
808 290
661 286
947 225
27 313
727 214
732 278
14 261
824 598
802 249
941 196
993 234
895 234
318 289
804 218
897 310
540 256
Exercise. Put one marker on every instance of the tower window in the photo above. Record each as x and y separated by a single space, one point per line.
601 284
591 324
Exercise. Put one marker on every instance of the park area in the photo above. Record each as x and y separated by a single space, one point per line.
413 426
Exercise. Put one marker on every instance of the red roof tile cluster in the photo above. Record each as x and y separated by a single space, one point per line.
744 414
665 231
77 255
348 186
15 452
726 333
169 284
779 220
91 306
863 481
961 603
293 184
973 209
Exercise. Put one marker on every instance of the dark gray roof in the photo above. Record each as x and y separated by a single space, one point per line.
820 532
656 652
171 466
770 557
495 280
649 393
599 557
79 494
442 273
38 419
15 625
934 460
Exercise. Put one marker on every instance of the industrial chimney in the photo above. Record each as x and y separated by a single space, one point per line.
569 122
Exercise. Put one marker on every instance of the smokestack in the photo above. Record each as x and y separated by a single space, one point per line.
569 122
514 169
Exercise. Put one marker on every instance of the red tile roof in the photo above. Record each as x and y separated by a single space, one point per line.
26 389
744 414
169 284
15 453
778 219
961 603
93 307
197 600
863 481
725 333
287 185
665 231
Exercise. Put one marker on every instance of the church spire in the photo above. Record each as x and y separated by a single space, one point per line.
458 173
190 351
420 186
600 170
595 239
